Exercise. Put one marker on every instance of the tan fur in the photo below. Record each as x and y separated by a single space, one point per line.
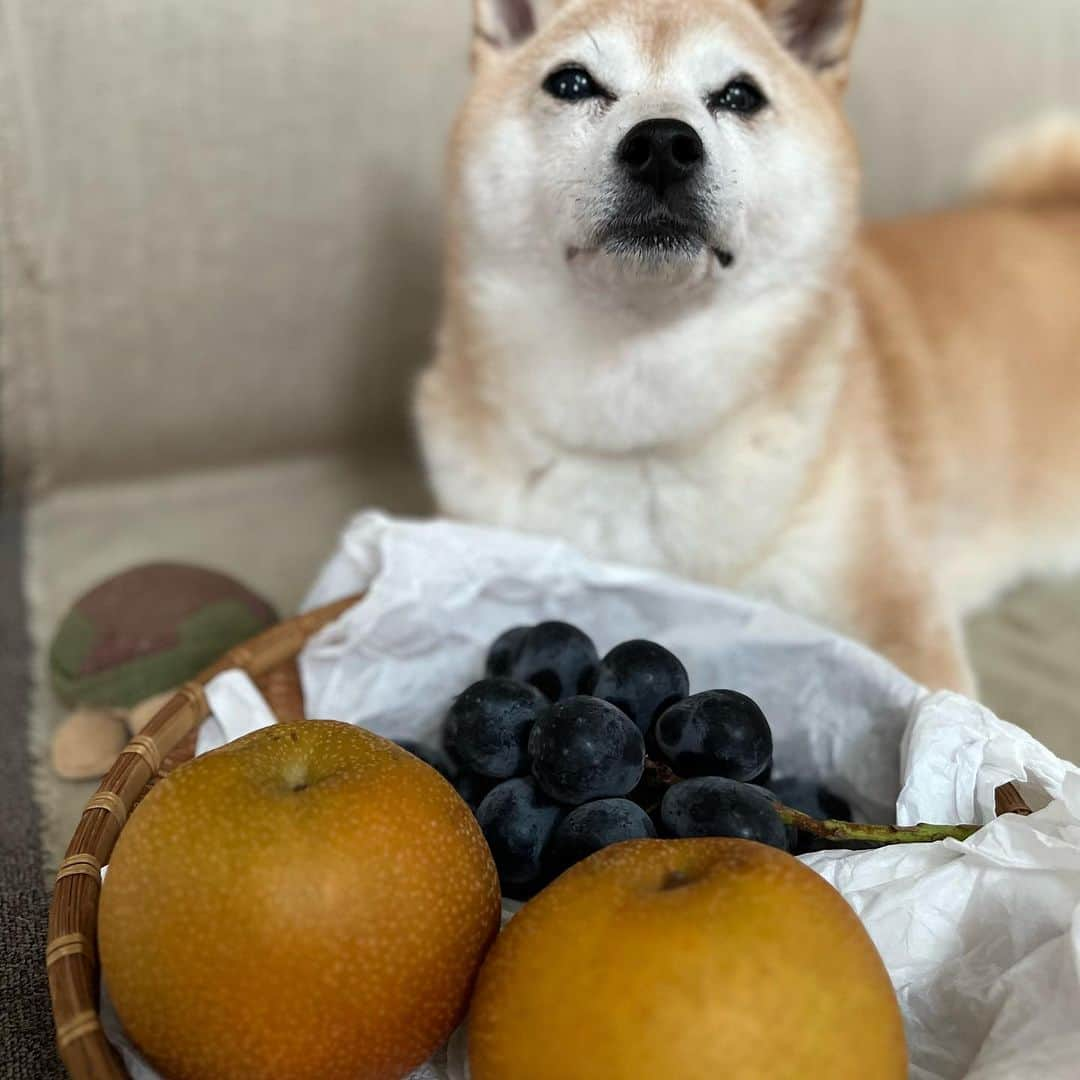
919 400
1038 166
973 333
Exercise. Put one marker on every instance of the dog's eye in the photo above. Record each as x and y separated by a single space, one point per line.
572 84
741 95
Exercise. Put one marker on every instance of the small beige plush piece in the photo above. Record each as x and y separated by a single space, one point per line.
88 742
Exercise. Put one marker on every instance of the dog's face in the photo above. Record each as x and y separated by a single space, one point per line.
617 141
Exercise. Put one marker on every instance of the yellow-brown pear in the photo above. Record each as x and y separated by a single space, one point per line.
309 902
686 960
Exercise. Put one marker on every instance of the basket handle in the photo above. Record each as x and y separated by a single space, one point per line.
281 688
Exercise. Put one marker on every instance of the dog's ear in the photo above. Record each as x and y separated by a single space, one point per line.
502 24
818 32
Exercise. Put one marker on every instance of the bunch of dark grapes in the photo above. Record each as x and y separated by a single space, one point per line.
561 752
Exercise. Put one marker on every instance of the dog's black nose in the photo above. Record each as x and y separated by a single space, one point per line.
661 153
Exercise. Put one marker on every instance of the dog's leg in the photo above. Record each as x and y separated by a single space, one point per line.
936 658
908 619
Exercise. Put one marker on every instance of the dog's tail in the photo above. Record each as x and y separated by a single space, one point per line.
1038 165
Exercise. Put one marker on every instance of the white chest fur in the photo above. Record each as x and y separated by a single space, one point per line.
746 502
720 517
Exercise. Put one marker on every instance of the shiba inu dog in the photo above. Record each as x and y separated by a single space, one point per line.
667 337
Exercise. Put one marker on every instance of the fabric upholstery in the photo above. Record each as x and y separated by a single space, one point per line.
223 233
221 220
933 81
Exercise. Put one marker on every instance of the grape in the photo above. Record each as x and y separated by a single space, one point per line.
428 754
472 787
583 749
762 779
793 835
810 798
557 659
487 727
717 733
518 819
504 650
643 679
596 825
818 802
714 806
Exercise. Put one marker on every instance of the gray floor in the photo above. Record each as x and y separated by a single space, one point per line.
26 1034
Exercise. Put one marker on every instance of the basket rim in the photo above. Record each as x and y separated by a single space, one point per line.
71 948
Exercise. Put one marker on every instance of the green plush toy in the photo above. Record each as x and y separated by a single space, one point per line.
150 629
135 636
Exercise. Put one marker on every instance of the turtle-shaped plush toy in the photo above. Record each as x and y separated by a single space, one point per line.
128 642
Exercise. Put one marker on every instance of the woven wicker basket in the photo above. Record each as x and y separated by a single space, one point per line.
167 741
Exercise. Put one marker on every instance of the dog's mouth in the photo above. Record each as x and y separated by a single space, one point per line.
654 239
657 236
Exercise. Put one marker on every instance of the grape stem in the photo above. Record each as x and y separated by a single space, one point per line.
659 777
877 834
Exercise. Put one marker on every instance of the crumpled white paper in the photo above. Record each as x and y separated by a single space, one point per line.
982 939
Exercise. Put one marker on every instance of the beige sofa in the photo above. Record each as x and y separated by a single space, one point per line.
220 242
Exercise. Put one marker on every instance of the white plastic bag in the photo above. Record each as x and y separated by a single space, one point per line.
982 939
